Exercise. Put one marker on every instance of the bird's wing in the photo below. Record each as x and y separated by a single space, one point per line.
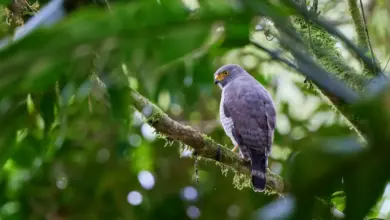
253 114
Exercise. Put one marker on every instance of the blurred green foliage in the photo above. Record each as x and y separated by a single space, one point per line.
69 150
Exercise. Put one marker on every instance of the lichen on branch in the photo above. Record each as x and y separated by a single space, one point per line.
204 146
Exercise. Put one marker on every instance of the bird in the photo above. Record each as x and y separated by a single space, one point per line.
248 117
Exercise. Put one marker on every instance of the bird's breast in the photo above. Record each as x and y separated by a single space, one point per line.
227 123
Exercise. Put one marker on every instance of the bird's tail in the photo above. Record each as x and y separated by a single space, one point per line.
258 170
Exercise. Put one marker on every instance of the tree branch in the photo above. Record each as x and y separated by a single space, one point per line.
208 148
294 37
358 22
362 33
202 145
356 51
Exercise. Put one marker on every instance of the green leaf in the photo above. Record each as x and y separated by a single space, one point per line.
312 170
14 119
236 34
48 102
27 151
364 186
128 29
119 102
338 200
141 158
181 41
5 2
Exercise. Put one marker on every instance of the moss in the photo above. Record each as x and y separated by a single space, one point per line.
161 136
241 181
211 147
224 168
269 192
4 27
168 142
156 116
358 22
323 46
209 139
360 31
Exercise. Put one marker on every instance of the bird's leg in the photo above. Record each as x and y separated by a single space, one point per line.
235 148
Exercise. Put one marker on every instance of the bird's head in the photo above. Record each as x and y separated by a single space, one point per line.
227 73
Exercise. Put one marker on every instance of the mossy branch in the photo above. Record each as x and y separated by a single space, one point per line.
327 55
323 47
359 25
204 146
363 41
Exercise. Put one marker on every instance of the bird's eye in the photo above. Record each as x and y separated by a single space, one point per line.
225 72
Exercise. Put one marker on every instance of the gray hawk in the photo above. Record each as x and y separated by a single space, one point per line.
248 117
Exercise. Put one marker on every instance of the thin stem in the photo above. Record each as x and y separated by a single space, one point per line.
368 35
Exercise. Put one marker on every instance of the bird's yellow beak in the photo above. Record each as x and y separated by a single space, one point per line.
218 78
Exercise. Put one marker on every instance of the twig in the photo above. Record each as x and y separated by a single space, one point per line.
367 34
387 63
313 9
316 74
275 55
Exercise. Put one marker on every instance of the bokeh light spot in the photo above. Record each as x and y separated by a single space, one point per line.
279 209
193 212
146 179
176 109
134 198
233 211
191 4
186 153
137 119
189 193
147 111
10 208
188 81
148 132
135 140
62 182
